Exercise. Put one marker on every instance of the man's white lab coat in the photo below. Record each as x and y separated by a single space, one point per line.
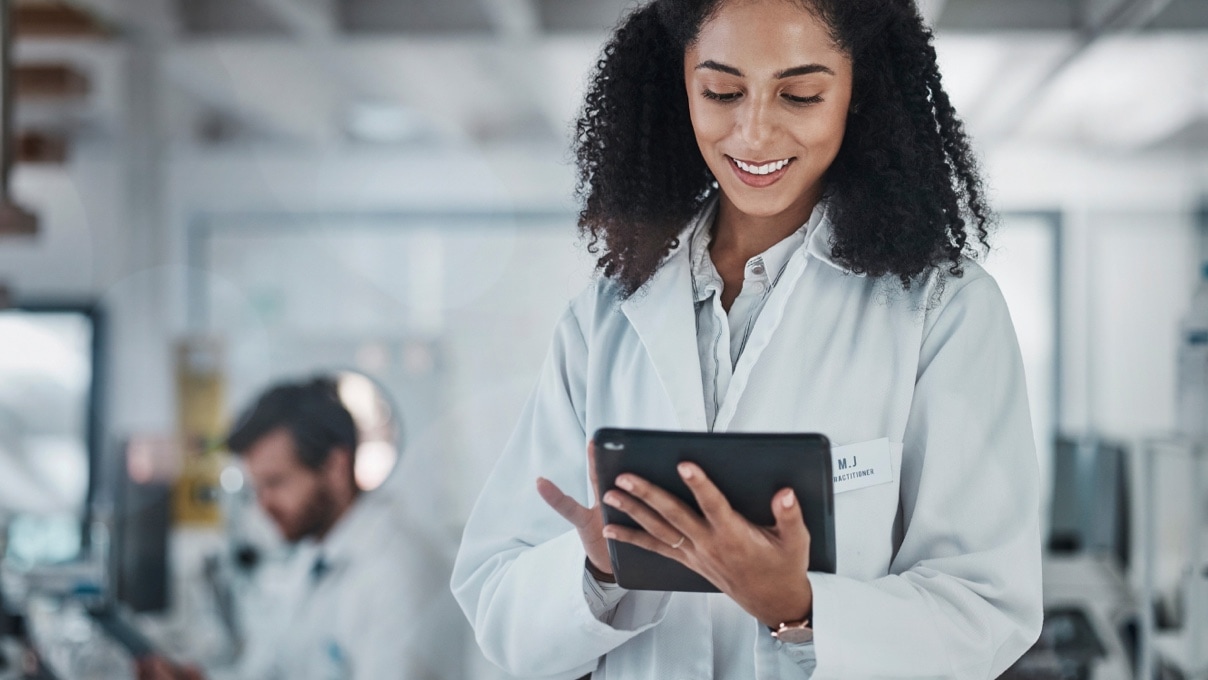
366 603
938 568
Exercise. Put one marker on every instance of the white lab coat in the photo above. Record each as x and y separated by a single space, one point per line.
376 612
938 570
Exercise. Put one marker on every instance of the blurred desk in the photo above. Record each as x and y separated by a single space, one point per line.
21 662
1087 604
72 645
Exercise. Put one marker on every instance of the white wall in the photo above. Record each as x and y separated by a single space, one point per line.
1130 257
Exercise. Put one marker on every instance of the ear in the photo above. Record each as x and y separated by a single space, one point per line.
336 467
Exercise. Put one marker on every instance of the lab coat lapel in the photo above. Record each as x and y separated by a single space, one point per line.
817 247
665 320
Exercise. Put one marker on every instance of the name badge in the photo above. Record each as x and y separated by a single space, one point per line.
858 466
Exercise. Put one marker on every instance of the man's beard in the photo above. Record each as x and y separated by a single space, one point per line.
318 516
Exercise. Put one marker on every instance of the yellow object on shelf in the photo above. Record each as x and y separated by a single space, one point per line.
200 396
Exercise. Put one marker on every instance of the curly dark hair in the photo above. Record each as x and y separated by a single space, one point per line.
901 188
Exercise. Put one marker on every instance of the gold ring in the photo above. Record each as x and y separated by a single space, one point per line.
678 543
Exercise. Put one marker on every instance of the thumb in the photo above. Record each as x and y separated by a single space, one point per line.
789 523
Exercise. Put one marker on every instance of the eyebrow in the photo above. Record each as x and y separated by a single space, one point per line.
804 70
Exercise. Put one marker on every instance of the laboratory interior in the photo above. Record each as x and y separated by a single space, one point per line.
201 199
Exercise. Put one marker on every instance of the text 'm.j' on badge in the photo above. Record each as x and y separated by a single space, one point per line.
861 465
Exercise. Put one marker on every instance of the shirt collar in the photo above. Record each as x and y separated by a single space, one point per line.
774 258
706 280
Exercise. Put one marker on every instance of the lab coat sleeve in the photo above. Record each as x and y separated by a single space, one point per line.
963 597
519 572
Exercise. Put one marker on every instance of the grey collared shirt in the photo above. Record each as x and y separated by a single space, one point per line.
721 337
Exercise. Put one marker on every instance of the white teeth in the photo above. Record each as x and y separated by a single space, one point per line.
765 169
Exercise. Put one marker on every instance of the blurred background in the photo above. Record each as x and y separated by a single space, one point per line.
207 196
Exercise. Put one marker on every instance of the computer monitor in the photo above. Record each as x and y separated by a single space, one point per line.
1090 511
50 356
140 525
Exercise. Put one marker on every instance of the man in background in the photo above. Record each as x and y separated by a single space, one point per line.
354 614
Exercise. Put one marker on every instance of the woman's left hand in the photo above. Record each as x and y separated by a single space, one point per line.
762 568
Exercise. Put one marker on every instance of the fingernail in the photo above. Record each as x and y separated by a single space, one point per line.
609 532
787 501
624 483
685 470
611 499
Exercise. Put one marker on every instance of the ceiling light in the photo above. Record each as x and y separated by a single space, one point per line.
379 122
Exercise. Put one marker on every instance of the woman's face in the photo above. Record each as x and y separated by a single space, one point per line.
768 93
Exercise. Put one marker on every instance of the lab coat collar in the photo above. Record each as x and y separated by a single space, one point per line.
351 532
664 316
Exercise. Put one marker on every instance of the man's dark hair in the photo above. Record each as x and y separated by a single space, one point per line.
905 189
312 413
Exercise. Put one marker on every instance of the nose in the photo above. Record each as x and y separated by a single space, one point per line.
756 124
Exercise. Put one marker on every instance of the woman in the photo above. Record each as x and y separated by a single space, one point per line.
785 205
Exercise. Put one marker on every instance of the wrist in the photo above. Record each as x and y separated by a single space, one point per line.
598 574
795 632
794 605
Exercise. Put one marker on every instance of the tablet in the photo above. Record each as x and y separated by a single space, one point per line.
748 468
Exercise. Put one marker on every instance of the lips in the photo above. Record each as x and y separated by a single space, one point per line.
760 173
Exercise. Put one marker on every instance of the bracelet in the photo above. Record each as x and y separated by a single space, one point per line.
597 574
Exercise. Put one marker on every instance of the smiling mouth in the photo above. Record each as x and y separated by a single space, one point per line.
760 174
760 168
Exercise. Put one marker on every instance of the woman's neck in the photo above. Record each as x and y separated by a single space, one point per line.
738 236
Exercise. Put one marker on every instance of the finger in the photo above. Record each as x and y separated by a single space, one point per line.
713 504
591 471
645 517
644 540
149 668
674 511
563 504
789 523
155 668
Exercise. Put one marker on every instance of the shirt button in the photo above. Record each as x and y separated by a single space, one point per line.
757 270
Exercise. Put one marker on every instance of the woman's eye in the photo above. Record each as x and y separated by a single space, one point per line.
816 99
721 96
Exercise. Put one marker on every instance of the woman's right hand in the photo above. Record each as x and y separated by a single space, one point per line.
587 521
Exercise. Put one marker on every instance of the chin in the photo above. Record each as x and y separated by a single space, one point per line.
292 536
290 533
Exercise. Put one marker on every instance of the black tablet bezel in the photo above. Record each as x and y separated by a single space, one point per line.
748 467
